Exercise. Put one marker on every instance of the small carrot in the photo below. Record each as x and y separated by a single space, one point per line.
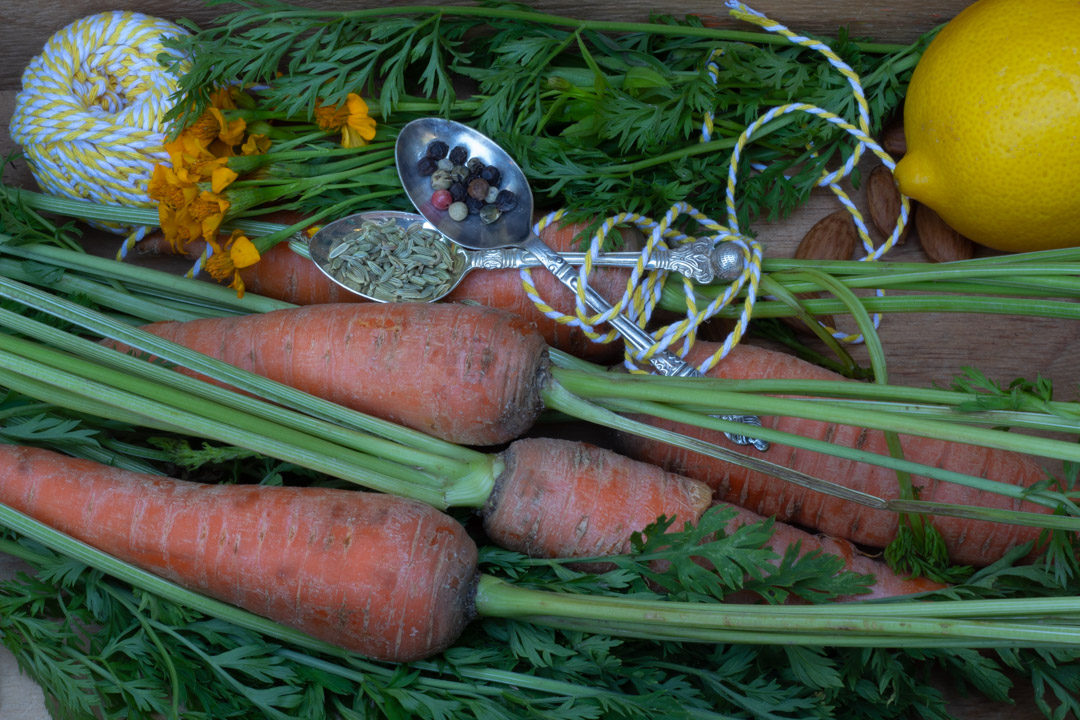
503 289
562 498
969 542
467 374
567 499
387 577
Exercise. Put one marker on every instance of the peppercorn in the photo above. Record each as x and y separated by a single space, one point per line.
437 149
427 165
491 174
458 211
445 164
459 173
506 200
458 191
441 180
459 155
489 214
478 188
441 199
475 165
474 204
493 192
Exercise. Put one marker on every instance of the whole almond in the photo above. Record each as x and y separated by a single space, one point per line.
939 241
833 237
893 140
883 202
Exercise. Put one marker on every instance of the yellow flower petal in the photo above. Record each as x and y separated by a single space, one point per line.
221 178
242 251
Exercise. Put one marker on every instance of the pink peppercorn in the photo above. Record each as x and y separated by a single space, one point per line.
441 199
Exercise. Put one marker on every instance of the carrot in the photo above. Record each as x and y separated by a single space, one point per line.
467 374
971 542
562 498
384 576
284 275
887 583
280 273
567 499
503 289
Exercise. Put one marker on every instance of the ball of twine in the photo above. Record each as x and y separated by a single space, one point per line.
90 116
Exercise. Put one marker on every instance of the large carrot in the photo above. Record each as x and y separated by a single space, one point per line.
974 542
377 574
467 374
388 577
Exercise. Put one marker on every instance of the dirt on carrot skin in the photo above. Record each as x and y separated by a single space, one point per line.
969 542
387 577
467 374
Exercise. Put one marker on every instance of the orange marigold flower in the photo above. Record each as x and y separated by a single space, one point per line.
207 212
224 98
238 253
330 118
167 188
221 177
359 128
255 145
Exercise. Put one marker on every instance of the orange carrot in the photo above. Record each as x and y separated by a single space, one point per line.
562 498
284 275
886 582
973 542
567 499
391 578
503 289
467 374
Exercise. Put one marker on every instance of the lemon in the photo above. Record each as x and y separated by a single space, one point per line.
992 123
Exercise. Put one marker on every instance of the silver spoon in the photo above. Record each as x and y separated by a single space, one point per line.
513 228
339 251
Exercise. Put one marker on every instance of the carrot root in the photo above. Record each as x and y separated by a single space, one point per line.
387 577
969 542
467 374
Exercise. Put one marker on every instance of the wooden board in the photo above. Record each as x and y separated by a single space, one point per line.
923 349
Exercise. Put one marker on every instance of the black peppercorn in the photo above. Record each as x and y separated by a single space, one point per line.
475 165
474 204
427 165
458 190
459 155
506 200
491 174
437 149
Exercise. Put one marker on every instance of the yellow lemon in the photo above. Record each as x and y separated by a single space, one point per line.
992 122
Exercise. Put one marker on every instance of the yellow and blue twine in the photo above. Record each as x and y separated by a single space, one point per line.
90 115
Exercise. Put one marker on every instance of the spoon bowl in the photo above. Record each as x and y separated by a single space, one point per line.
511 228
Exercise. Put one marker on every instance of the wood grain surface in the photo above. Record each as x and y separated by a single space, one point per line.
923 349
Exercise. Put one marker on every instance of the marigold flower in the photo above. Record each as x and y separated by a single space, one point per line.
255 145
167 188
357 127
237 253
207 213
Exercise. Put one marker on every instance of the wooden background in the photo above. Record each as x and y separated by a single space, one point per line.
922 349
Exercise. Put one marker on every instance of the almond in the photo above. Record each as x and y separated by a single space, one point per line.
893 140
833 237
883 202
939 241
